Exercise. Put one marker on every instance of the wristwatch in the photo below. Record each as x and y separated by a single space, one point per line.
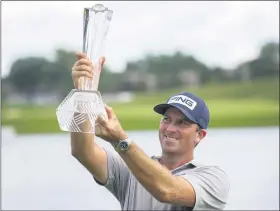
123 145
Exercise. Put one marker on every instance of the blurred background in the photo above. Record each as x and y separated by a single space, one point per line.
225 52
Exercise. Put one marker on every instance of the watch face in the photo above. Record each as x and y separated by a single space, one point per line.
123 145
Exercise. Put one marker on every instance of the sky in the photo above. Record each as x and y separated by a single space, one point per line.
220 33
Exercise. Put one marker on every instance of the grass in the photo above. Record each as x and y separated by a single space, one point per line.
231 105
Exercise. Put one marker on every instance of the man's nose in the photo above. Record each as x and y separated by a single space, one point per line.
171 128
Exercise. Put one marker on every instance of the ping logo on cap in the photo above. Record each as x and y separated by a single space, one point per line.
183 100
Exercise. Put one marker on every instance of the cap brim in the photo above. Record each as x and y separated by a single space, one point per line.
161 108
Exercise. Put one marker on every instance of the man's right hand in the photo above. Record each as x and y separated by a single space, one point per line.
83 67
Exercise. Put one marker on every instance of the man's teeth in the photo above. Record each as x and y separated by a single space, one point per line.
171 138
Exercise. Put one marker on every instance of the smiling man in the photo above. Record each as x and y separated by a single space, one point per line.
172 181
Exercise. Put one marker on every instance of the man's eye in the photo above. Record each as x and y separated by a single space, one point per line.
165 118
184 122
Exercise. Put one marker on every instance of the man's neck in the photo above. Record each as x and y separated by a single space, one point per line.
173 161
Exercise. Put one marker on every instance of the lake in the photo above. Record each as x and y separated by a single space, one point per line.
38 171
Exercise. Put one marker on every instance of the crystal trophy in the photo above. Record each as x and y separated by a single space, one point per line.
81 107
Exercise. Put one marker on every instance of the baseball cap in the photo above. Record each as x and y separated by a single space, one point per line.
192 106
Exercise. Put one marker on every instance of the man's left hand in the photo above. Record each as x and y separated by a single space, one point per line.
110 130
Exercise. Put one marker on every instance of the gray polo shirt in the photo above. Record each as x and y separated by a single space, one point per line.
210 183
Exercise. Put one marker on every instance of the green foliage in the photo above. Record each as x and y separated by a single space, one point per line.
109 81
269 50
26 74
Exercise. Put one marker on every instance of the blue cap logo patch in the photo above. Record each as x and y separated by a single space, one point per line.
183 100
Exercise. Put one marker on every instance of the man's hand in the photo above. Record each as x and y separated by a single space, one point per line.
110 130
83 67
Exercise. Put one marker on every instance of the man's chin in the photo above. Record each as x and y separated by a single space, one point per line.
168 149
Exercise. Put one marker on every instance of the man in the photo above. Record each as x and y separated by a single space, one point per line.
173 181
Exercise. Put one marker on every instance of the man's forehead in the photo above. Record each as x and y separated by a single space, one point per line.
181 116
173 110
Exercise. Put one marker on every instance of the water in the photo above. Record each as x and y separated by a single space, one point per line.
38 171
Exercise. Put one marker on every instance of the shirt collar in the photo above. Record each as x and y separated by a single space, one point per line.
192 164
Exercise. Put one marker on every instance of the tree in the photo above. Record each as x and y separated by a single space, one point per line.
27 74
270 51
267 64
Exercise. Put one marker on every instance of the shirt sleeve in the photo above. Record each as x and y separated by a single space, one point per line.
118 175
211 186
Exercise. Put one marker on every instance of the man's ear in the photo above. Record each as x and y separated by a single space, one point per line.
200 135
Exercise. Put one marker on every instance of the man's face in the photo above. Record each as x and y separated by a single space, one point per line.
177 134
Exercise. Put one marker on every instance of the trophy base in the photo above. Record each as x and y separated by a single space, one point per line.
79 110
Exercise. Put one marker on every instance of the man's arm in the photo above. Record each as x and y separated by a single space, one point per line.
107 167
206 188
89 154
157 179
83 147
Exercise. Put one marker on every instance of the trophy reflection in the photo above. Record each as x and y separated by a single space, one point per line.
79 110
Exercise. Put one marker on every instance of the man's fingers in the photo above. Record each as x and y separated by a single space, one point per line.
83 68
76 84
110 112
78 74
80 55
84 61
102 60
98 130
102 121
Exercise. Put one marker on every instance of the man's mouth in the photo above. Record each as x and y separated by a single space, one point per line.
170 138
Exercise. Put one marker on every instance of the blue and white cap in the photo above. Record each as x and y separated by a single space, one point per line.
192 106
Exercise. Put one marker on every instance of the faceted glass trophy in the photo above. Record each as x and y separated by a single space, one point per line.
79 110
